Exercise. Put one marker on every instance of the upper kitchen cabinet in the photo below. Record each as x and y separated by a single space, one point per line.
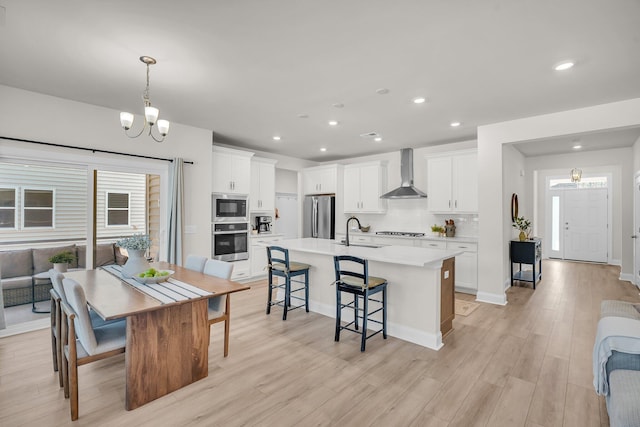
320 179
452 183
364 183
263 185
231 171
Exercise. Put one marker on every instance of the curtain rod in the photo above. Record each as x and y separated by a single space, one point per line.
93 150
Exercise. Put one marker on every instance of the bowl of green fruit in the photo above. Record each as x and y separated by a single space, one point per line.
153 276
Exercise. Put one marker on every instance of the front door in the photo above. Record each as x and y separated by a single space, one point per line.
585 225
578 220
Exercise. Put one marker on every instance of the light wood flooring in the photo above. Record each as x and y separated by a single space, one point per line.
524 364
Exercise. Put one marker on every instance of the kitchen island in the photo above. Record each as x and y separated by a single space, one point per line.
414 291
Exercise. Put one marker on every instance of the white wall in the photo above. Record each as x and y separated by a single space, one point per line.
492 197
513 181
33 116
286 181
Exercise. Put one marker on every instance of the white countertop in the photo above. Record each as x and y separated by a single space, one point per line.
427 236
263 235
401 255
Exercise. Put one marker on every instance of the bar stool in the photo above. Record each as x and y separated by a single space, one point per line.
352 276
279 265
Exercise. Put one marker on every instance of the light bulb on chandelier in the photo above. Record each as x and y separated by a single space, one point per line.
150 113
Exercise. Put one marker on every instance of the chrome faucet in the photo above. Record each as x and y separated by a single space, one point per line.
346 242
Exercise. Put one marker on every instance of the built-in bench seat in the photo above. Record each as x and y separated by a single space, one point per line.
23 266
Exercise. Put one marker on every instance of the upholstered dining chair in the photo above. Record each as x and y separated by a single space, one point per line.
57 296
195 263
92 343
222 269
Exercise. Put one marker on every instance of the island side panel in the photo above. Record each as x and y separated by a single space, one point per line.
413 296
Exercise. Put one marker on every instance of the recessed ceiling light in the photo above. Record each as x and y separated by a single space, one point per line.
333 123
377 139
455 124
276 138
419 100
323 149
382 91
577 147
565 65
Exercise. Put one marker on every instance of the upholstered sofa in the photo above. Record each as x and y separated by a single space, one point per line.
617 361
23 266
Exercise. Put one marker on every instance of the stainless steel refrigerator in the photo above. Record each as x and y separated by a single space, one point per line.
319 217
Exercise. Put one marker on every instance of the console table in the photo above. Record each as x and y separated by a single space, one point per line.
526 252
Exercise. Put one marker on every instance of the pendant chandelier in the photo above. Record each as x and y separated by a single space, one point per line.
576 175
150 113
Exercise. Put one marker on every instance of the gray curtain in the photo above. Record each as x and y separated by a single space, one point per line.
176 191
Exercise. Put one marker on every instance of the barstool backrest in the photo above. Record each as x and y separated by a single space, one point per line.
278 255
351 266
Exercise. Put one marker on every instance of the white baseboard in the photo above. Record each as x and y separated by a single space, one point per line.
626 277
498 299
615 262
21 328
405 333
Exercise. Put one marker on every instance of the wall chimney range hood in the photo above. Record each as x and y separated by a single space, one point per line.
406 189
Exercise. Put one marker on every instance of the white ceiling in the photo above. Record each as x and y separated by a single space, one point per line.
247 69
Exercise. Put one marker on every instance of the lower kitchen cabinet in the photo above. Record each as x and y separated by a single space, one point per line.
466 267
241 270
258 255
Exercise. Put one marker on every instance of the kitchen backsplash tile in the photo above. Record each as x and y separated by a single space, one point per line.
412 215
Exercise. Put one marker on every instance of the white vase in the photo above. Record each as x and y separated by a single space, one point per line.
136 263
60 266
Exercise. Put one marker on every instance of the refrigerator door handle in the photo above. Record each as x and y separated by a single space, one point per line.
314 218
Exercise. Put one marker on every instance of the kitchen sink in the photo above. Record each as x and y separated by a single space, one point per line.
361 245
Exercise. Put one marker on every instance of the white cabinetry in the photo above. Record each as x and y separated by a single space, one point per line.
452 183
263 185
363 185
258 254
466 267
231 171
241 270
320 180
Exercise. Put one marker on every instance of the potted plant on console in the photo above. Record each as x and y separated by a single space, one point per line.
136 247
62 260
524 225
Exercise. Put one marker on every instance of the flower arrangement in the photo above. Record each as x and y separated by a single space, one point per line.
140 242
524 225
65 257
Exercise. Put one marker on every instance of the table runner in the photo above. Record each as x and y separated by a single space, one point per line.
166 292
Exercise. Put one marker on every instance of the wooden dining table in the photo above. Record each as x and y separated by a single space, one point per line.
167 343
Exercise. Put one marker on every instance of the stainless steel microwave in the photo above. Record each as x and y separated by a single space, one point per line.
229 208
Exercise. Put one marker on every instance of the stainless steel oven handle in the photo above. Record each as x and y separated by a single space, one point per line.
231 232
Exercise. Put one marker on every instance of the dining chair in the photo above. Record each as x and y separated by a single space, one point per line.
57 296
223 270
352 277
195 263
82 342
56 331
